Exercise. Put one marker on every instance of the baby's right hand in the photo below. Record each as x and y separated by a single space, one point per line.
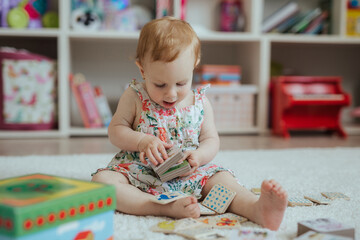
151 147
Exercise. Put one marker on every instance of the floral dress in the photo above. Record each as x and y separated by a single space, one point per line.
181 126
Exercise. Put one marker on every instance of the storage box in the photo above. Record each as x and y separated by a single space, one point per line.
27 91
233 106
48 207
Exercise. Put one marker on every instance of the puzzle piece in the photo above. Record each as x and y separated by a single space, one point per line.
311 235
177 225
219 198
256 191
298 201
205 211
317 198
200 234
168 197
252 234
227 220
335 195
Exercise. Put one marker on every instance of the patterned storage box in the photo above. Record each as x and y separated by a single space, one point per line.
233 106
27 90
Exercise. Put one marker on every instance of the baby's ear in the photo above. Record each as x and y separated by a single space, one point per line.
197 62
141 69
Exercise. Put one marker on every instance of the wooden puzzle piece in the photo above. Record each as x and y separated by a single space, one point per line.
311 235
168 197
200 234
205 211
298 201
256 191
177 225
252 234
317 198
335 195
227 220
219 198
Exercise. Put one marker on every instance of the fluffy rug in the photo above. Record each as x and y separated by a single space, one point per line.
300 171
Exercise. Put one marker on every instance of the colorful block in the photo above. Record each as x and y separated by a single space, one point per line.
35 204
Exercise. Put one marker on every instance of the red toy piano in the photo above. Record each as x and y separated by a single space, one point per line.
307 103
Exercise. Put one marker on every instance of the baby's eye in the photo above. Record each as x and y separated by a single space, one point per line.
180 84
160 85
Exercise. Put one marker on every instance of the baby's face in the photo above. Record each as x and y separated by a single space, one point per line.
169 83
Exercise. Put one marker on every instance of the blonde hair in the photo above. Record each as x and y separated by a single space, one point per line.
163 39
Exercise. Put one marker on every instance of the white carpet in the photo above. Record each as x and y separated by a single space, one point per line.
300 171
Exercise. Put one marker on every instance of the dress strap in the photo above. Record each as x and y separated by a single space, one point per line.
140 91
200 93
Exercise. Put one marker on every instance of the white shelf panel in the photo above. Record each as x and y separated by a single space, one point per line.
302 38
228 36
30 134
29 32
80 131
104 35
352 130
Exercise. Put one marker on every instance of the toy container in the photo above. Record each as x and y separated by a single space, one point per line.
27 91
42 206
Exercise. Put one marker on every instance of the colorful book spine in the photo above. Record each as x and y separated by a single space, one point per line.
308 18
102 106
85 99
281 15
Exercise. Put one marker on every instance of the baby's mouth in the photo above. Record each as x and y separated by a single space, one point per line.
169 104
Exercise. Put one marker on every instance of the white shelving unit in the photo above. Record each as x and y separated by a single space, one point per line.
107 58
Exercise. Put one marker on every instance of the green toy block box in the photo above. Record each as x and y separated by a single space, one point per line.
34 203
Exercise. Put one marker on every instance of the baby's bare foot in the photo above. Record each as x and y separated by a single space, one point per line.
183 208
271 204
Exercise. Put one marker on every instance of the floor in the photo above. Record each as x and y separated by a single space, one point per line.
86 145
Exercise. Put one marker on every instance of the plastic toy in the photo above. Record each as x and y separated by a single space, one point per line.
48 207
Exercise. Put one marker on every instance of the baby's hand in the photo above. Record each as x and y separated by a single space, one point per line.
194 161
151 147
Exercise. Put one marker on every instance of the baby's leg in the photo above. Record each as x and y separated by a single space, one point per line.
132 200
268 210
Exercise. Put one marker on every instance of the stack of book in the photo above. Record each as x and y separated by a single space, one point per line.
171 168
92 103
290 19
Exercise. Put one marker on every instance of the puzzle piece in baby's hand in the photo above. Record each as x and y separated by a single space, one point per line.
219 198
317 198
168 197
227 220
205 211
335 195
298 201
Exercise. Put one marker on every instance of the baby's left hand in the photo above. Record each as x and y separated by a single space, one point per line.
194 161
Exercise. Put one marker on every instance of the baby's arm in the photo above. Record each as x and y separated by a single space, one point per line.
123 136
209 141
209 138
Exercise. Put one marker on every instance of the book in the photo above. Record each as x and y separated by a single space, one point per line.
288 24
85 99
305 21
279 16
171 168
102 106
316 25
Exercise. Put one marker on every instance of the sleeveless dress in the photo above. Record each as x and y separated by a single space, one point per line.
181 126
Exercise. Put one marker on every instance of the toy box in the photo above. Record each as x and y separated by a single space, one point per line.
233 106
42 206
27 91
